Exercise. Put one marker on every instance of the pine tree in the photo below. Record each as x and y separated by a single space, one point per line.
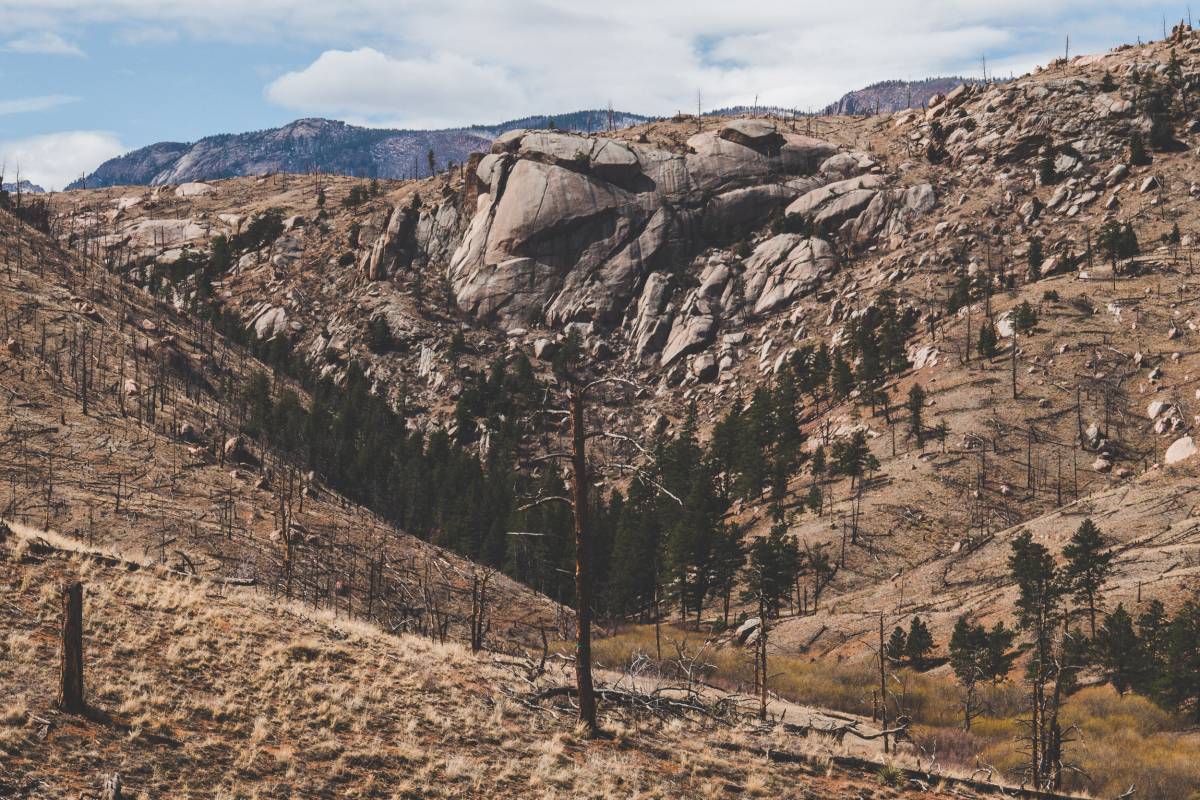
1040 591
379 335
821 566
968 656
1152 625
1119 650
636 554
818 464
853 458
728 558
960 297
1024 318
843 376
919 644
1137 150
988 340
770 571
822 366
690 536
896 646
1035 258
941 432
1129 242
916 406
814 499
1088 567
1180 684
1000 655
788 438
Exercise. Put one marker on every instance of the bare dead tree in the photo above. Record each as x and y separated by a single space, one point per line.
71 695
577 390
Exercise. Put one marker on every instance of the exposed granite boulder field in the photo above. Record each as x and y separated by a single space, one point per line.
572 228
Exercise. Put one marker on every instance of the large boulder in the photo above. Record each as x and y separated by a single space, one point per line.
550 223
889 212
803 155
784 268
652 319
1181 449
747 632
268 322
195 189
842 208
691 333
809 204
413 236
729 212
757 134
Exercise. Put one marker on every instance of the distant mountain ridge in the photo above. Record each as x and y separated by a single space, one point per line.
890 96
327 146
337 147
24 187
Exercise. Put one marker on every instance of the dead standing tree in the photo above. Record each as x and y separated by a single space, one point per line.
576 390
71 697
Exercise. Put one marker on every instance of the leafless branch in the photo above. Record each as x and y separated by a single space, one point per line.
540 501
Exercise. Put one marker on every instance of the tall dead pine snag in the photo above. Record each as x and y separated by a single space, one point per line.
70 697
583 595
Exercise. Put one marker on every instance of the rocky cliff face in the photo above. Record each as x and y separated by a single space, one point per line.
574 229
887 97
141 167
700 253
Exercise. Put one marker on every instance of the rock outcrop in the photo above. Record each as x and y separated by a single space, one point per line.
785 267
568 227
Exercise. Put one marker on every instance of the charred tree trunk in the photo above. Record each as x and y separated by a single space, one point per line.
112 788
71 698
883 714
583 599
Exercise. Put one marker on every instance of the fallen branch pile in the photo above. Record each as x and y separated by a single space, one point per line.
662 702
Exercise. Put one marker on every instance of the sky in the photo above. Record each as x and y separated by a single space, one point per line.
82 81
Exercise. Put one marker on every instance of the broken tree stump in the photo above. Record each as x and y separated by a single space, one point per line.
70 697
112 787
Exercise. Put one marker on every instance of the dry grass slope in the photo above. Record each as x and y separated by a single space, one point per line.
207 691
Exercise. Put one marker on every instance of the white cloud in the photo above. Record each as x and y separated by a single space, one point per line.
43 43
461 61
369 85
24 105
53 160
413 62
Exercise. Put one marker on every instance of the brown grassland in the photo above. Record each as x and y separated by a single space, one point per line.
199 690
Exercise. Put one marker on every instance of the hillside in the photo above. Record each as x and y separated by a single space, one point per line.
709 306
322 145
199 690
126 426
769 294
